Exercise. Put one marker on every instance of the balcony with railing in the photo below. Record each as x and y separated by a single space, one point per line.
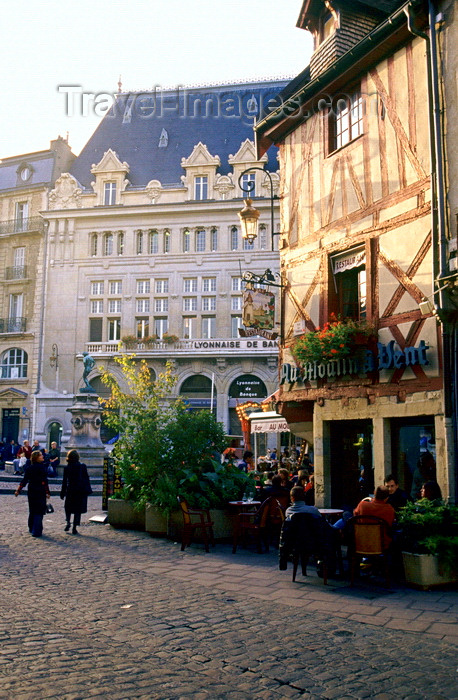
211 346
19 225
18 272
13 325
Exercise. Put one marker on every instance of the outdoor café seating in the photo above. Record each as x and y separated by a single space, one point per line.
263 525
369 537
195 519
304 536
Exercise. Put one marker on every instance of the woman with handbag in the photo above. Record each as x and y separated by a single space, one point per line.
36 479
76 488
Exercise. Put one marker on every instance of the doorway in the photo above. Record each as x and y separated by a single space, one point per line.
10 425
352 473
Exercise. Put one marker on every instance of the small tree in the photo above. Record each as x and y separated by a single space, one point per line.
165 450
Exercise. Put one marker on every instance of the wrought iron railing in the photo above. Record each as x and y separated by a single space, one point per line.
31 223
13 325
18 272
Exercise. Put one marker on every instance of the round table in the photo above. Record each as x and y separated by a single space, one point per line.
331 514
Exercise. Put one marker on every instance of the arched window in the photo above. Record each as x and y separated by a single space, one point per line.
214 239
166 241
234 238
14 364
93 244
200 240
153 242
197 391
186 240
120 242
108 244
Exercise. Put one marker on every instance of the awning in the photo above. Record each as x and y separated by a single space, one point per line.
348 261
268 422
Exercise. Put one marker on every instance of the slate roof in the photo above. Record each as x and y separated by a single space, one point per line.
42 171
134 126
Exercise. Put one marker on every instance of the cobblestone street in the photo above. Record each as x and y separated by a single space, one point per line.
117 614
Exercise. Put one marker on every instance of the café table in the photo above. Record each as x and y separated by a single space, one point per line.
241 506
331 514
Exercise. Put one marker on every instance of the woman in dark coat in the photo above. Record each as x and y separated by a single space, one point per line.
38 491
76 488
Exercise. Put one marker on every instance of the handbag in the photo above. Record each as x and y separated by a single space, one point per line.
49 508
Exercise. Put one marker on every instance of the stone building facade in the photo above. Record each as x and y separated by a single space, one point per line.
25 181
360 208
145 253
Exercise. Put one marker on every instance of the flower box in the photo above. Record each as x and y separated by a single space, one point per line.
423 571
156 523
122 514
222 529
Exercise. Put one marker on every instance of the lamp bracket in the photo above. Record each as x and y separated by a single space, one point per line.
268 278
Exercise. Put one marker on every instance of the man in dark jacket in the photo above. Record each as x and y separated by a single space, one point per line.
397 498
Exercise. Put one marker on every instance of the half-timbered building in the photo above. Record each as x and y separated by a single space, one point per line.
361 241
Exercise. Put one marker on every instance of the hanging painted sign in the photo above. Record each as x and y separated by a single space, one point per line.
258 309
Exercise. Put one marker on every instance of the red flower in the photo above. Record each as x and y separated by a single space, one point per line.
333 351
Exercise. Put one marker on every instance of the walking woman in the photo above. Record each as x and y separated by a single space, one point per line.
38 491
76 488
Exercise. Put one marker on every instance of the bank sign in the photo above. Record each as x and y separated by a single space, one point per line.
387 357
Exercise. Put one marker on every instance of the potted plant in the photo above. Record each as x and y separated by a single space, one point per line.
169 338
129 341
334 341
429 542
150 340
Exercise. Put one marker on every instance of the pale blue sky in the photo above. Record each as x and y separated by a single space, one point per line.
149 42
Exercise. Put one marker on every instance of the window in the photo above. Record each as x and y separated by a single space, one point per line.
186 241
328 26
189 303
143 286
14 364
208 303
238 284
97 306
139 246
114 306
95 330
209 284
248 245
109 193
346 121
142 327
19 257
236 303
248 184
234 238
162 286
22 215
200 241
114 329
121 243
166 241
160 326
96 288
142 306
201 187
116 287
94 242
190 285
161 305
209 327
108 244
236 323
213 239
348 295
263 237
16 304
189 326
153 242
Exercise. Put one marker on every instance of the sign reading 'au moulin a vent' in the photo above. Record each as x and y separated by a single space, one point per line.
387 357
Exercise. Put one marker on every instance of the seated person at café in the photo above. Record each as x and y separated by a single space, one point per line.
285 480
275 489
301 479
432 491
310 491
299 505
378 507
397 498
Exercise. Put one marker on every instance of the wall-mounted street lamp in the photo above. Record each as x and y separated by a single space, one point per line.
249 215
54 359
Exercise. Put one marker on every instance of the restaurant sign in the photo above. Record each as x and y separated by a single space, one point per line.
387 357
271 425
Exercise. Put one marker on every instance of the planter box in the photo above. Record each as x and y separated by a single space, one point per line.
155 522
222 528
123 514
422 571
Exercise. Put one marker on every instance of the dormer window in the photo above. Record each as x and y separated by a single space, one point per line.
109 193
327 26
201 187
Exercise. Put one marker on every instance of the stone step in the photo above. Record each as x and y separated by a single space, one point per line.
9 483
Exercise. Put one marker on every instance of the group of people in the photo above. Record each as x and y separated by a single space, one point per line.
75 489
21 455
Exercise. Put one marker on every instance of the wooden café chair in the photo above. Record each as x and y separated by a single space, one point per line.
262 524
369 537
195 519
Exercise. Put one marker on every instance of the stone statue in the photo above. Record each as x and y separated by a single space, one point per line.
89 364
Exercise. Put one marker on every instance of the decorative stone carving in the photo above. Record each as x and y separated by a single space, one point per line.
154 190
66 194
224 185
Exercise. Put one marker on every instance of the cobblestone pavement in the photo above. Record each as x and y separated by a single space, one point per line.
117 614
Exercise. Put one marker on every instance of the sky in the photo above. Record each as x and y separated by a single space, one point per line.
47 46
